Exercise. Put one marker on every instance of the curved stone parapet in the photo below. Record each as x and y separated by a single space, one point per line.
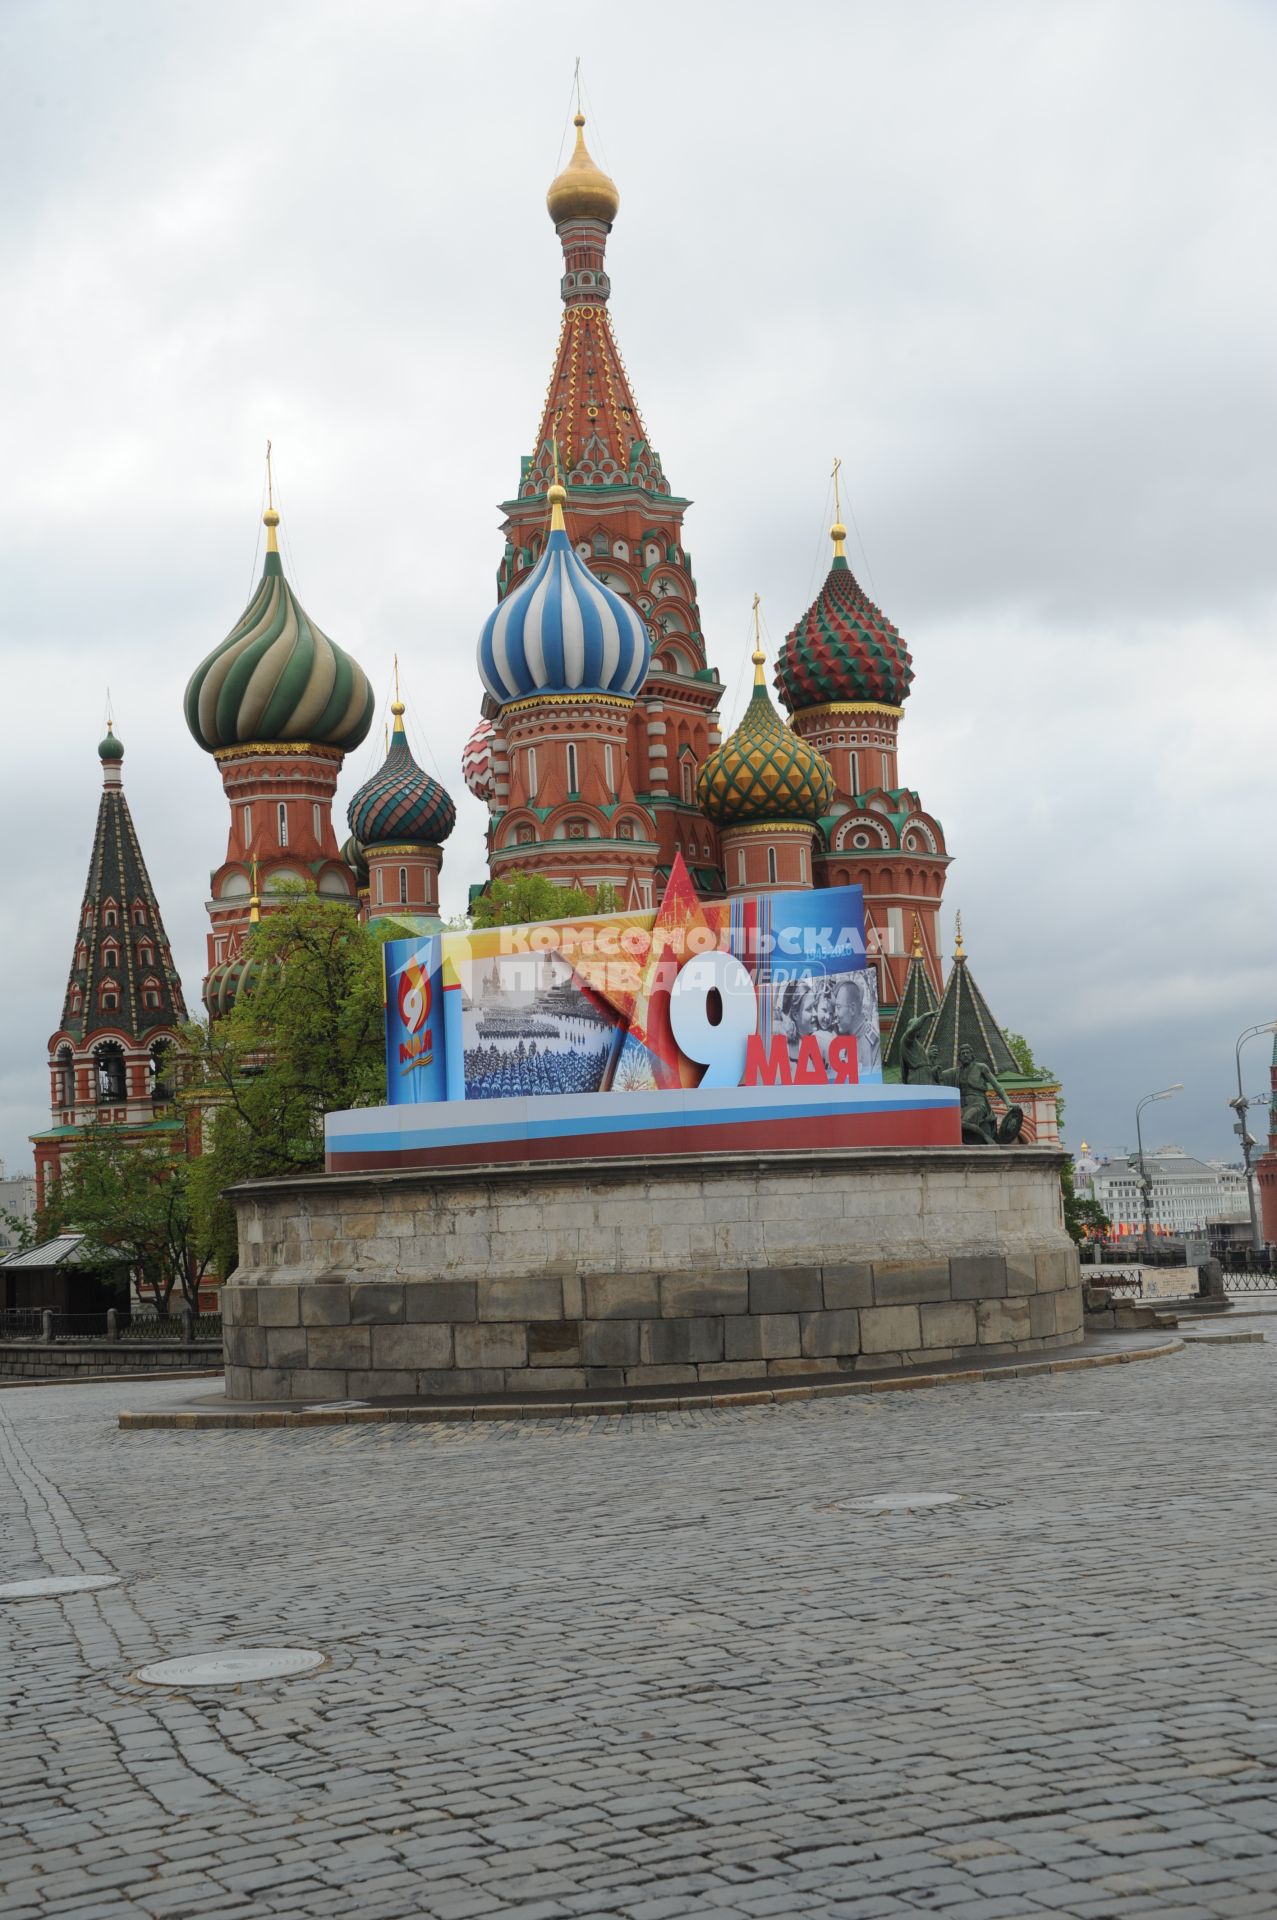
574 1275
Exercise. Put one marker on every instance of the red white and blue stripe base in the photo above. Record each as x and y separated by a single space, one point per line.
594 1126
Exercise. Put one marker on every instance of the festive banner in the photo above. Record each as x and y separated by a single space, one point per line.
767 990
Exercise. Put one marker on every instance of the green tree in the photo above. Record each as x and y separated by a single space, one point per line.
531 896
1029 1067
132 1200
305 1038
21 1229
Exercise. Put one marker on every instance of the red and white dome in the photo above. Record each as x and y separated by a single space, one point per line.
476 762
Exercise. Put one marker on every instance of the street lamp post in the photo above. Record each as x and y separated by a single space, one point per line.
1239 1106
1145 1182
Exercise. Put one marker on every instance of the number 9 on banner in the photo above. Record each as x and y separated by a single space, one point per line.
719 1044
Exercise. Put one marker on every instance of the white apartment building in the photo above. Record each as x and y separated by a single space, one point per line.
17 1197
1187 1194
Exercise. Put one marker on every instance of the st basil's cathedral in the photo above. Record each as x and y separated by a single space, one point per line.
597 753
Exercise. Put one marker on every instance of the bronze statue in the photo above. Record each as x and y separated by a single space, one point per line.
980 1125
974 1081
918 1064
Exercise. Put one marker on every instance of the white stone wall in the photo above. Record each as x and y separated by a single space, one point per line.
561 1278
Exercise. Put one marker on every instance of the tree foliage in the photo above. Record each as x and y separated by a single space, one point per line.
133 1201
305 1038
531 896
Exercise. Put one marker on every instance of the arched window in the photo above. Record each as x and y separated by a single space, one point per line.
381 890
403 886
314 818
687 773
246 814
146 956
740 866
854 762
771 865
108 1071
802 865
108 918
573 786
601 544
283 824
110 958
64 1077
110 1002
532 773
139 916
609 771
885 769
150 998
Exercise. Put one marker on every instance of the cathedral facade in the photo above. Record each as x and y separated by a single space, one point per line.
598 752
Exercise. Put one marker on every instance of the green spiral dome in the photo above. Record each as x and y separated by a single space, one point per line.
277 677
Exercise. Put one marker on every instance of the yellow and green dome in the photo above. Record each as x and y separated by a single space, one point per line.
763 772
276 677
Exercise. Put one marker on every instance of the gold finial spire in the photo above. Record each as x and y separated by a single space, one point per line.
758 657
917 939
838 533
959 951
255 900
582 191
558 493
270 519
396 705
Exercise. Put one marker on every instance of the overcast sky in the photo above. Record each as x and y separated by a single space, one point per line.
1013 263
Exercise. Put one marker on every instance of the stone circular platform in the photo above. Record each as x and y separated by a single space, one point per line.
571 1276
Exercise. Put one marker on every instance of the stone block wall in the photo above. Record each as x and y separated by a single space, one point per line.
563 1278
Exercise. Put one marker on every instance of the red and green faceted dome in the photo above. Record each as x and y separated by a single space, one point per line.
401 802
843 648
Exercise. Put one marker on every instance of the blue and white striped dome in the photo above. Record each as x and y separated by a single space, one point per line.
562 631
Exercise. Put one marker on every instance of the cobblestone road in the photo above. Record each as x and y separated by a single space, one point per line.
657 1666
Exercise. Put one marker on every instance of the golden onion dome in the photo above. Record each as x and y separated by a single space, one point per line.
582 191
764 772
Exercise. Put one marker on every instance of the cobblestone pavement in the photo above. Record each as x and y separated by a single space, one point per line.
658 1665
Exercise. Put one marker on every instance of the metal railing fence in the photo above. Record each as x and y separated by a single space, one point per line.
50 1325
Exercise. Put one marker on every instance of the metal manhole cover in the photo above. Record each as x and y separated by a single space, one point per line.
899 1502
56 1584
232 1667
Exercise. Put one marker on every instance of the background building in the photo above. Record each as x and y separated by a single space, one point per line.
1188 1195
17 1202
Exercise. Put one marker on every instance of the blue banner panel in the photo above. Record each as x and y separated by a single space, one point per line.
415 1046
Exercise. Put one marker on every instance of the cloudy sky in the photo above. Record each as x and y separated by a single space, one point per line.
1013 263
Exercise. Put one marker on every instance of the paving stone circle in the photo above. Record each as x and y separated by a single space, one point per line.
232 1667
50 1587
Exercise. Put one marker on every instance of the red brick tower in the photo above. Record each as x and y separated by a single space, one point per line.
626 526
1266 1165
278 705
844 674
111 1060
